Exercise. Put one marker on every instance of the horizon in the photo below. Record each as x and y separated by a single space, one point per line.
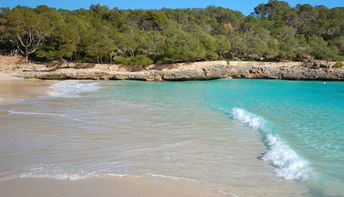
246 7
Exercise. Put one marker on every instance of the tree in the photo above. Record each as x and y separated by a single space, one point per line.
320 49
275 31
125 43
63 39
153 20
273 10
238 45
28 28
98 46
209 44
62 43
2 26
181 46
154 43
283 33
339 43
223 46
101 10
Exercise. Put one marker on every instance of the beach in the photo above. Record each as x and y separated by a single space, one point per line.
13 88
125 187
128 138
46 151
172 98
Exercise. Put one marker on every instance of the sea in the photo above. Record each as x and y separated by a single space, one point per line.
234 137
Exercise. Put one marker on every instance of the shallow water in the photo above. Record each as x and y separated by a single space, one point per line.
237 137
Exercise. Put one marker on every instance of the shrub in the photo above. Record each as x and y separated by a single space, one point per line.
120 60
338 65
139 60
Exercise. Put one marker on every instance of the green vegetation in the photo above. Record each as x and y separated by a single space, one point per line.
338 65
273 32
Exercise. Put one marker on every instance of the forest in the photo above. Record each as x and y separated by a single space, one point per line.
274 31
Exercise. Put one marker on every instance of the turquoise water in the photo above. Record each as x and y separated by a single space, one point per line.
242 137
307 117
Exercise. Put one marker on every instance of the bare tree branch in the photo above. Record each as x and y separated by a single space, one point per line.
21 41
20 50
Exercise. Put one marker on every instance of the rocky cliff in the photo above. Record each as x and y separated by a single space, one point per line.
179 72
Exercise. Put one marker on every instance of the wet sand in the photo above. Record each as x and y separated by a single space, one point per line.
129 187
13 89
124 187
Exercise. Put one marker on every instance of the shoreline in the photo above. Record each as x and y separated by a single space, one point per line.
103 186
18 88
133 186
207 70
14 89
128 185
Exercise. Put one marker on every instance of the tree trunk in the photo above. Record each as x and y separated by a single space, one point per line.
26 55
111 57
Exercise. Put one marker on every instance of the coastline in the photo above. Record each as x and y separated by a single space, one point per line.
129 185
18 88
176 100
13 88
134 186
144 185
114 186
208 70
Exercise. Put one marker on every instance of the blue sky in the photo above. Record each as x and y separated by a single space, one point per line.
245 6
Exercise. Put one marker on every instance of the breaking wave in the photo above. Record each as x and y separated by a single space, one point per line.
70 89
288 163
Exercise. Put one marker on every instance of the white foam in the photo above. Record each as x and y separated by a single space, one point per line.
72 89
71 174
288 163
171 177
34 113
71 177
67 176
224 192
